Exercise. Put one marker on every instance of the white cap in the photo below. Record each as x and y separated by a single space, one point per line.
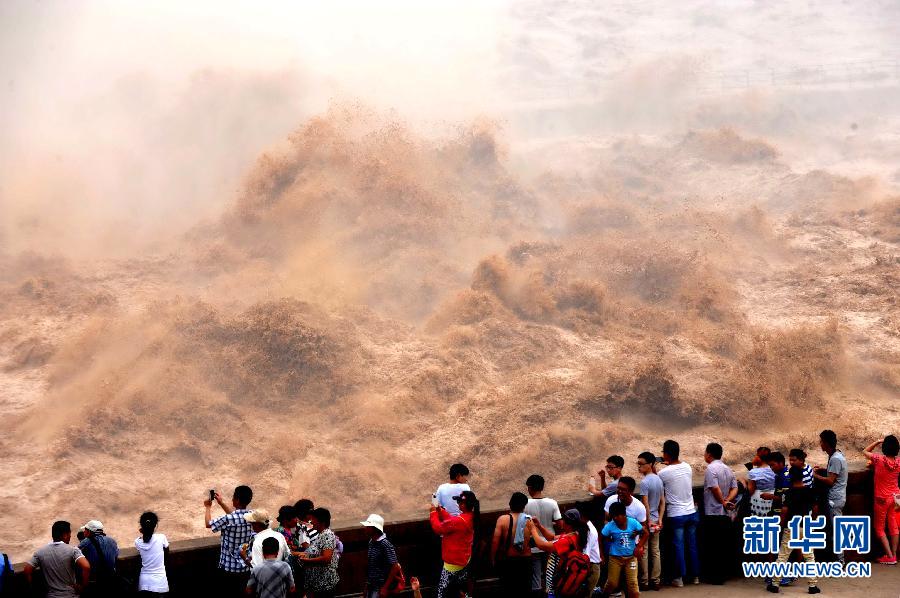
376 521
93 526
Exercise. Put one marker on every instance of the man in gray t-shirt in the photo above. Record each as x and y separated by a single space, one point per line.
834 477
835 473
652 491
653 496
837 465
60 564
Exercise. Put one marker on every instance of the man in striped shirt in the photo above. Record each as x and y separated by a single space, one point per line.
307 533
797 458
383 571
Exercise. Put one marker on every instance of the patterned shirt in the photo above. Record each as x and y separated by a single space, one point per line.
322 577
291 537
382 558
271 579
235 532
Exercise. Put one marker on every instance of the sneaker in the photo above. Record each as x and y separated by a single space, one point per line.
677 583
655 586
696 581
772 588
813 590
887 560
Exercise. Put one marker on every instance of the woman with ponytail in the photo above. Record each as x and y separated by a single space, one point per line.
572 566
152 547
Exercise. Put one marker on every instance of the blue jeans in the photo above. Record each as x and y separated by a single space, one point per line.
684 531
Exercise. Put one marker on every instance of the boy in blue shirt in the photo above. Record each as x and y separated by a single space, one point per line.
624 551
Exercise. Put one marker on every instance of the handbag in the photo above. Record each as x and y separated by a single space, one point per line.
399 585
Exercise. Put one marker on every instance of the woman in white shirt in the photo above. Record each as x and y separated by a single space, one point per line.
153 548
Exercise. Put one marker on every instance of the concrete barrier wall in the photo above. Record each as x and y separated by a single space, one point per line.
192 563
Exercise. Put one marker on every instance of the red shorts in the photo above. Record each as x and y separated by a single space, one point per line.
886 513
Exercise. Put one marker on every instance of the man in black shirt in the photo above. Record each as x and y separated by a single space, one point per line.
798 500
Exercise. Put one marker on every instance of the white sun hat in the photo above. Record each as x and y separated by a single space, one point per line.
376 521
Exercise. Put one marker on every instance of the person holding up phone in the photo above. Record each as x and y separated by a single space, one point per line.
457 534
236 531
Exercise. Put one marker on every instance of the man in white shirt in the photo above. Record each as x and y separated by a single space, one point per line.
259 521
681 513
459 476
625 495
592 548
546 512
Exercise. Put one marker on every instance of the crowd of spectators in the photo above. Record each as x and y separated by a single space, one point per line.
607 545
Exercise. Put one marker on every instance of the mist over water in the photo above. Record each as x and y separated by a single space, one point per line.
525 236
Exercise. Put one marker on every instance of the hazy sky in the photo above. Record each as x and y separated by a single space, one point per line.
126 112
119 118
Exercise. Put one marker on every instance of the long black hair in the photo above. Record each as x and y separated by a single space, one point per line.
148 522
573 518
475 506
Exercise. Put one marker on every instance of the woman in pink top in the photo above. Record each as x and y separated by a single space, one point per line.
887 468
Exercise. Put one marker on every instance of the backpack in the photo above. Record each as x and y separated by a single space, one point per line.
572 573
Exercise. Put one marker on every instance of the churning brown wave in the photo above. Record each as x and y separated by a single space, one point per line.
376 305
